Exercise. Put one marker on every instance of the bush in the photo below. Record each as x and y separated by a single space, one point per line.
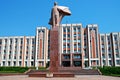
106 70
14 69
18 69
39 68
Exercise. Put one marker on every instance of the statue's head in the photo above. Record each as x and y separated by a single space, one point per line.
55 3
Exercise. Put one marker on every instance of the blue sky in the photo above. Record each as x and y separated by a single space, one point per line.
21 17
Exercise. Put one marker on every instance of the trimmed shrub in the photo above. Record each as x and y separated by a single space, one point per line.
39 68
14 69
107 70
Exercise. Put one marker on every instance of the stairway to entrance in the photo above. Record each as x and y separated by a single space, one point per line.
79 71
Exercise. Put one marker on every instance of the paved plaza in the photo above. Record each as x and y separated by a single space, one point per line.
77 77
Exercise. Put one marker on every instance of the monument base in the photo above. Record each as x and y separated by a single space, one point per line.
54 47
50 75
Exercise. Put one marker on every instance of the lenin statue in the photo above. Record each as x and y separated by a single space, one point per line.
58 12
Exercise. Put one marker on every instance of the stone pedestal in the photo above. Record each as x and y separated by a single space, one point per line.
54 48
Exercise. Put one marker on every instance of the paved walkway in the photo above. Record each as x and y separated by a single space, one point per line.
77 77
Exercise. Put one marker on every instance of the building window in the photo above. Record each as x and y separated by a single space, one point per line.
21 47
21 42
16 47
3 63
27 41
118 62
68 35
68 51
79 46
68 45
64 46
10 41
64 35
4 57
68 29
75 40
102 38
68 41
10 56
14 63
8 63
4 51
32 48
20 57
75 45
108 38
5 40
32 64
75 35
16 40
25 63
103 50
76 56
74 29
0 41
104 63
64 29
64 51
10 47
110 55
116 50
75 51
117 55
64 40
97 62
79 35
66 56
109 50
103 55
78 29
115 37
110 62
26 54
79 40
20 63
78 51
32 57
77 63
15 56
33 42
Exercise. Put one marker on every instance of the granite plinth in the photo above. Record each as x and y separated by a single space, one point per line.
54 74
54 47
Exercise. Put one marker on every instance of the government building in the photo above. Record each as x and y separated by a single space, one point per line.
79 46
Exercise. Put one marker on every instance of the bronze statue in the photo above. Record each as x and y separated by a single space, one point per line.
58 12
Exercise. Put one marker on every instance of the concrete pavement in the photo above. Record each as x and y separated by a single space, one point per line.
77 77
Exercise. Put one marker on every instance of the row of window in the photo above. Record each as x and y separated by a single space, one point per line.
75 56
68 35
110 62
110 56
16 41
16 63
75 29
15 55
75 51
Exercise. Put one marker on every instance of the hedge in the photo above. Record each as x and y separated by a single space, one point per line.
39 68
13 69
107 70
